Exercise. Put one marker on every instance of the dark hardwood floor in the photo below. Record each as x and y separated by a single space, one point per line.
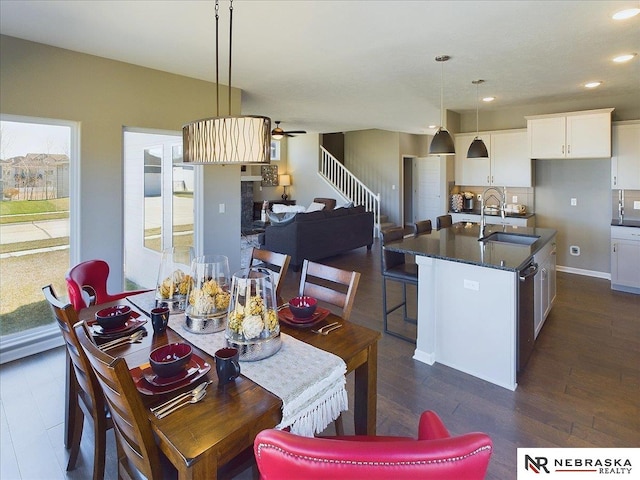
581 387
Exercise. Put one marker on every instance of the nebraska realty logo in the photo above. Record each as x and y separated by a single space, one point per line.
581 463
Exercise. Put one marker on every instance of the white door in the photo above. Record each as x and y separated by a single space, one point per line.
427 197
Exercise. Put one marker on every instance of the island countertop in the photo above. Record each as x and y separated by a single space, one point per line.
459 243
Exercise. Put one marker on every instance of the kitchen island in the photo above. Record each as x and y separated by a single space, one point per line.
470 301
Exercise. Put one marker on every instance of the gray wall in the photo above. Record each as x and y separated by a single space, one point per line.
585 225
103 96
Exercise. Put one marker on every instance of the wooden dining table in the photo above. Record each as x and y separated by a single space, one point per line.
200 438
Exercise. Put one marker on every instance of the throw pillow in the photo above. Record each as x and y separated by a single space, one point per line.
314 207
281 219
346 205
279 208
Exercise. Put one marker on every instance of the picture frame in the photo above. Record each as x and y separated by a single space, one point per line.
275 150
269 175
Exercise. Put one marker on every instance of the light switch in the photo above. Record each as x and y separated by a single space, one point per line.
636 204
221 208
574 202
514 199
471 285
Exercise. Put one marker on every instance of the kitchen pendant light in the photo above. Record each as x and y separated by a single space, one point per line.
442 143
227 140
477 149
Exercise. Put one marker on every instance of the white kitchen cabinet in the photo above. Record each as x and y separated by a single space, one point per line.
544 284
570 135
494 219
625 259
508 163
625 159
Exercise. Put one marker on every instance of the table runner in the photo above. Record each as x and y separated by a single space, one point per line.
310 381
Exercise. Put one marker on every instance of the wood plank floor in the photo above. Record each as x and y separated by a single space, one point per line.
581 387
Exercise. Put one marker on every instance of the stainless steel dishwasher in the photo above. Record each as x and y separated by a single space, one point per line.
525 313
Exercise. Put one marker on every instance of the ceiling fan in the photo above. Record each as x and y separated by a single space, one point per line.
277 133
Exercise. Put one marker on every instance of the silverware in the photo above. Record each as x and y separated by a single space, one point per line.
170 403
133 338
327 328
283 306
194 399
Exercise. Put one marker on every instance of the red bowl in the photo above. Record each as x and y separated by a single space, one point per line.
171 359
113 317
303 307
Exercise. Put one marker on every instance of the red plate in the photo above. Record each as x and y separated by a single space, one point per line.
133 323
287 317
192 368
140 373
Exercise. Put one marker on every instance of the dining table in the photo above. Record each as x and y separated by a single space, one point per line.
199 439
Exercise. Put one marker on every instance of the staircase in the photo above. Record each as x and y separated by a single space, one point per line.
352 189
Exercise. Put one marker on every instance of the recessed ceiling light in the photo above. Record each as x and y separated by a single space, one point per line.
624 14
488 99
592 84
624 58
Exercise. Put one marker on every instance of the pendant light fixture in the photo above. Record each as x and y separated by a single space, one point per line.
477 149
225 140
442 143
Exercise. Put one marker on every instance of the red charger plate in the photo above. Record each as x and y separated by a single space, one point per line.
141 373
129 326
287 317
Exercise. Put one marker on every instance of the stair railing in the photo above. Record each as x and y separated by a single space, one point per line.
349 186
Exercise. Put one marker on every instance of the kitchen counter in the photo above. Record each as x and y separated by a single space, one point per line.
625 223
460 243
512 215
469 315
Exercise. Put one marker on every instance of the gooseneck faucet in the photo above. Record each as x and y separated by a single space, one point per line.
502 199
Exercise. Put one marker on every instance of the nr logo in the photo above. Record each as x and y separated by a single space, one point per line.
536 464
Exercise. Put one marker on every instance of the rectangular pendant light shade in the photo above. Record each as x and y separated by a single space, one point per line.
227 140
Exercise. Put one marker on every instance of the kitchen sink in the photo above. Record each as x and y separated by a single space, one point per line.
512 238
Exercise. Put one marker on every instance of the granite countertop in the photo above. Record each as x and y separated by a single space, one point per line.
625 223
459 243
477 212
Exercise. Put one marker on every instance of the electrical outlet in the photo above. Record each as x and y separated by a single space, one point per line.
479 197
574 202
636 204
574 250
514 199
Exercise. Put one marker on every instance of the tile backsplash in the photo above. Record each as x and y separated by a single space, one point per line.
630 196
526 196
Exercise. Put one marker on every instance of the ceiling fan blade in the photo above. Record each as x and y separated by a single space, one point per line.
296 131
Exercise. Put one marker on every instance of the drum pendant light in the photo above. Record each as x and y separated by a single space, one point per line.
442 143
477 149
227 140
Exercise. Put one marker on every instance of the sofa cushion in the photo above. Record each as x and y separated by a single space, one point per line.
281 219
356 210
330 203
309 217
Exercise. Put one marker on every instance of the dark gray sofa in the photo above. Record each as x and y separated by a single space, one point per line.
322 234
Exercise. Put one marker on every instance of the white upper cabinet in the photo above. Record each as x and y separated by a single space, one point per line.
570 135
625 161
508 164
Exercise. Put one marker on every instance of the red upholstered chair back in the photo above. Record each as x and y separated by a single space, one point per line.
91 277
434 455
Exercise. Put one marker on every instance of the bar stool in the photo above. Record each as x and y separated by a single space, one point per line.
395 268
423 226
443 221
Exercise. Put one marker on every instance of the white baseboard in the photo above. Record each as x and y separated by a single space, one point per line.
424 357
586 273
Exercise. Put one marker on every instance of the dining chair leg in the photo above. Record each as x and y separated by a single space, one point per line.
99 448
71 403
76 436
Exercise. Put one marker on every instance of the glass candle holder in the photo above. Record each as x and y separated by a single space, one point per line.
174 277
208 295
252 325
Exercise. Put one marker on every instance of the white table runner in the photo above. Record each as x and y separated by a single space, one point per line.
310 381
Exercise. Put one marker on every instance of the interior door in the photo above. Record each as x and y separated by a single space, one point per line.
427 188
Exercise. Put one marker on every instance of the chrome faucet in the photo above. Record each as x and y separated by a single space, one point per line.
502 199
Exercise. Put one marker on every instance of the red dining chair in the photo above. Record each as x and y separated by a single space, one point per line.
434 455
91 277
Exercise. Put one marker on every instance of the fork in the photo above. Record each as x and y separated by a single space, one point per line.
178 398
327 328
135 337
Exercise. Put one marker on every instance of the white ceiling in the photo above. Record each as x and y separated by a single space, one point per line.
327 66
